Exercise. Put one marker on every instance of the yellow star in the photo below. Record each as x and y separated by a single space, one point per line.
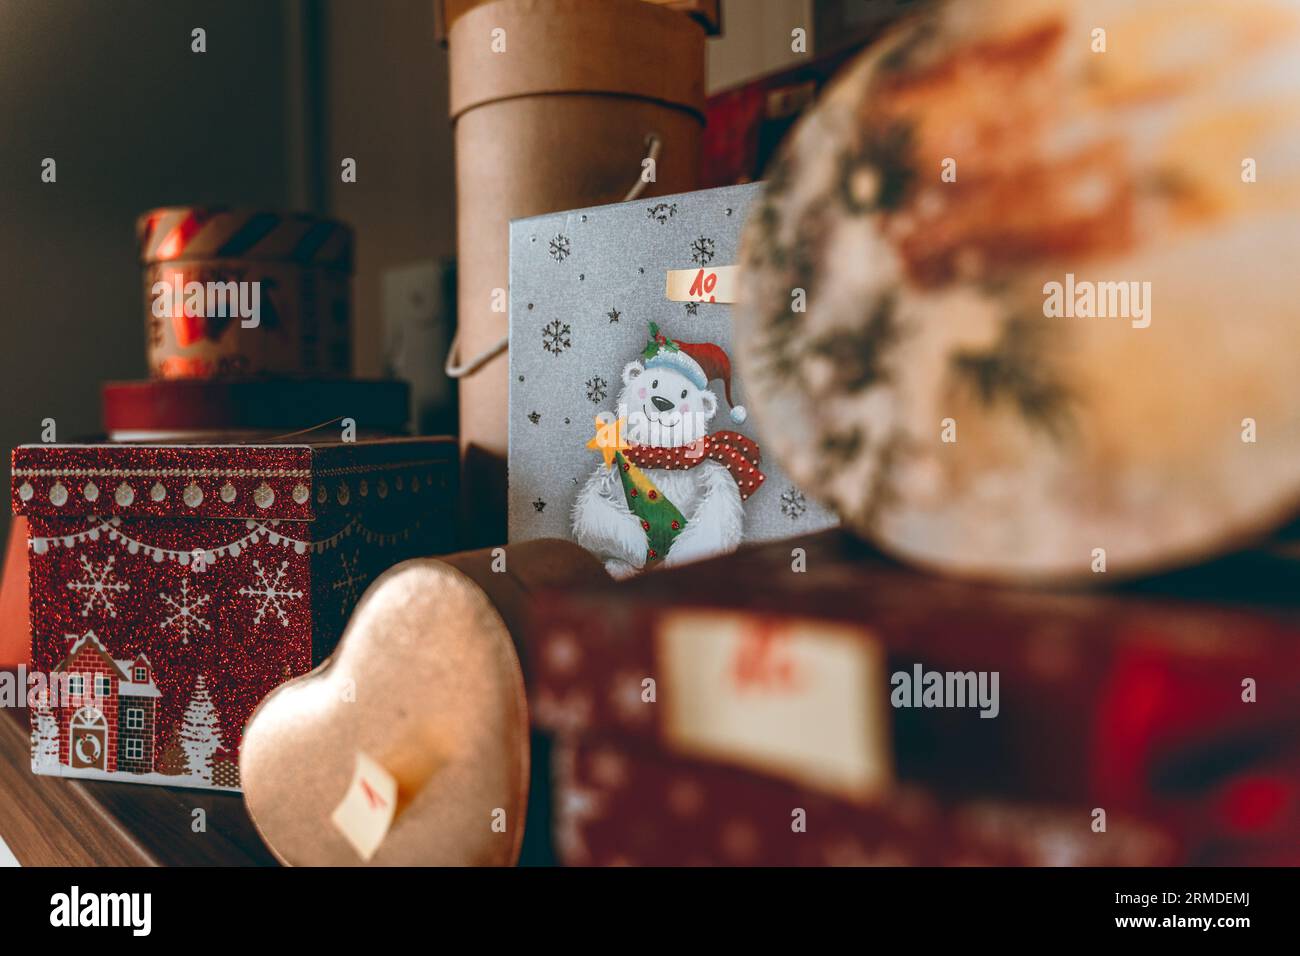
608 439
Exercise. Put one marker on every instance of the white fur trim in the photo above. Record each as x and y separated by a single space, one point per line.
682 363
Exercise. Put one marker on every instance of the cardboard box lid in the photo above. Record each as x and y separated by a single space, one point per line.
610 47
707 12
296 481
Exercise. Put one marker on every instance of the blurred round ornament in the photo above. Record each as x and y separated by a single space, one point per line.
1046 250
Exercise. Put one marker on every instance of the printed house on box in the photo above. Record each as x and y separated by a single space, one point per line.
105 719
174 586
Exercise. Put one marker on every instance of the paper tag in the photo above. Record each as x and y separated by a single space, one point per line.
367 810
802 699
702 285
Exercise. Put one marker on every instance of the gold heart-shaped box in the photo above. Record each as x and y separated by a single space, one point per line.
427 684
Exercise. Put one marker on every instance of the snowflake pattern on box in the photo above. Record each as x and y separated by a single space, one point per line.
577 807
270 592
185 617
567 369
98 585
350 581
559 248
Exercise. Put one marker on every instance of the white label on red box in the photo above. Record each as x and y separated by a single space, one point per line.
797 698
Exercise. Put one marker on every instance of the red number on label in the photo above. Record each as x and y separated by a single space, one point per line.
704 283
763 661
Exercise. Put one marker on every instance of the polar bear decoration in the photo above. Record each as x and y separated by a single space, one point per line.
667 492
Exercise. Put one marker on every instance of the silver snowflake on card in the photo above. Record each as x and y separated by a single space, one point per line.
793 504
349 582
597 389
556 337
560 248
185 607
662 212
614 315
535 417
97 586
703 250
692 308
270 592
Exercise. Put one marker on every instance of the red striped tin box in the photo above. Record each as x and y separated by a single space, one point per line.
239 292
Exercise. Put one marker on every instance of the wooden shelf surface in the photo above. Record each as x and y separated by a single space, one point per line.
60 821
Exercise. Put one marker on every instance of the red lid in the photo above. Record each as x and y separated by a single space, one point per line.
274 405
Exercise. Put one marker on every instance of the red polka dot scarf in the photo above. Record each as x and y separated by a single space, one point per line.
738 453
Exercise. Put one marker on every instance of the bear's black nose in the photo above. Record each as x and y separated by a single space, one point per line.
661 403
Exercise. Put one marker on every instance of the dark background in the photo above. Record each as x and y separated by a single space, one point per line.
287 88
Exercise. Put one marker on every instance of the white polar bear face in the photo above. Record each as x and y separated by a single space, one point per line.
663 408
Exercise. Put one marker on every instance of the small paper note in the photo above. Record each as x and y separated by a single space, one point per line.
702 285
366 812
803 699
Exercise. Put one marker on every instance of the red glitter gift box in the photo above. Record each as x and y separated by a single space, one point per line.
173 587
1171 699
618 804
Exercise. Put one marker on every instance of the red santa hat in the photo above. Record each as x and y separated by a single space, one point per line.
701 362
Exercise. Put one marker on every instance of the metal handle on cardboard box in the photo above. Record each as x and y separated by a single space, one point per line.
454 368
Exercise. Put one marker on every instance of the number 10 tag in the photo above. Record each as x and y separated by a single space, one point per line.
702 285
